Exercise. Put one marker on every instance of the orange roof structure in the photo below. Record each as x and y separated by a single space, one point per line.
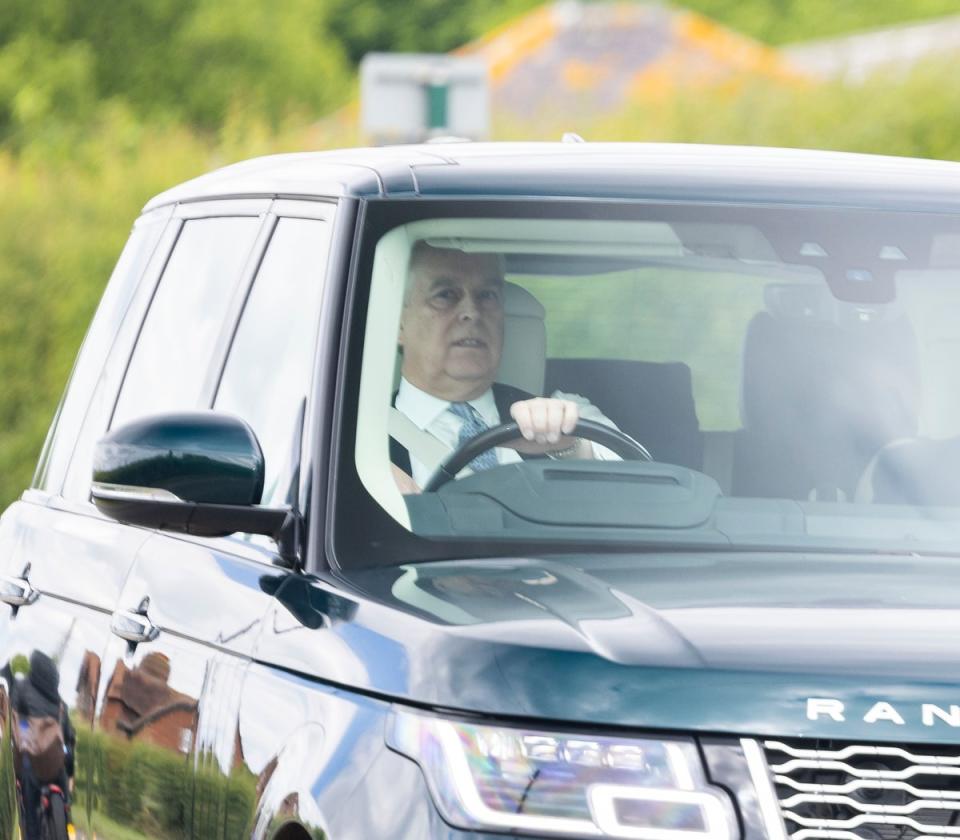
594 57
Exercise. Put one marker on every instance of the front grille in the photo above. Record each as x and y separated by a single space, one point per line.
857 792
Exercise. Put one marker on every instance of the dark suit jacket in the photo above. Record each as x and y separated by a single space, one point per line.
503 395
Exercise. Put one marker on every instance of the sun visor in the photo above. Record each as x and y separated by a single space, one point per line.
534 236
726 241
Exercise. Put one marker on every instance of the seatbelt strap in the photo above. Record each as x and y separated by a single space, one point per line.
421 445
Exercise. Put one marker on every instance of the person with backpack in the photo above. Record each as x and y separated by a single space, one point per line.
44 737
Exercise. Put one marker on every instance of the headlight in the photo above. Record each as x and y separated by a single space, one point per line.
546 783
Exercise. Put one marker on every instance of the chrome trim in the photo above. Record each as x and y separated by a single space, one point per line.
131 493
868 808
763 784
881 819
827 834
133 626
860 773
840 812
17 591
861 749
865 784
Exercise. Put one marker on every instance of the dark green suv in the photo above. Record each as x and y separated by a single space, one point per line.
553 491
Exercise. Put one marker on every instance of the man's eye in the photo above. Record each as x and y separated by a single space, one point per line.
490 296
444 297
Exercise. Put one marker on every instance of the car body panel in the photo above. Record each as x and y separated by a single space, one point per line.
711 643
178 696
78 565
589 171
309 748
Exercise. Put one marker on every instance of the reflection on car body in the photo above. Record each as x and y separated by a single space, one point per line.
740 626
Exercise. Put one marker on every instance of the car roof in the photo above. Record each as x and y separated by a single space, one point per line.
615 171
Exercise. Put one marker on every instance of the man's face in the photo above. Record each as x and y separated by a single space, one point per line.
451 329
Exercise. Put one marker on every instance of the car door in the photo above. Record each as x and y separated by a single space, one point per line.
62 565
173 687
79 560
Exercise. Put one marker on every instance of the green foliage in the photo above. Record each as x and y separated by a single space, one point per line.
424 26
913 115
270 60
205 61
61 228
784 21
95 100
43 83
167 59
150 791
439 25
8 805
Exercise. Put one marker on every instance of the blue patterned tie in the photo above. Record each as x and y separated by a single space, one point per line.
472 426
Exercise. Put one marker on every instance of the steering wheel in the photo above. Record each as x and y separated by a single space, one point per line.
624 445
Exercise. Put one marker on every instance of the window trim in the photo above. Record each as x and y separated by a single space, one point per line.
341 215
382 541
325 213
281 209
318 480
243 208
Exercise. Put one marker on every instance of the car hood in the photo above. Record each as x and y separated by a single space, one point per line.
710 642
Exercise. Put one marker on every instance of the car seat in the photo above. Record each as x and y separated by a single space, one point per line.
650 401
524 354
826 384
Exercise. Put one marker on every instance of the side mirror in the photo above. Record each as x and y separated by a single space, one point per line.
197 473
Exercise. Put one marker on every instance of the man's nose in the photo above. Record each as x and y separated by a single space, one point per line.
468 309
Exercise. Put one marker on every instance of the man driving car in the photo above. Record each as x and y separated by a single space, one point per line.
451 338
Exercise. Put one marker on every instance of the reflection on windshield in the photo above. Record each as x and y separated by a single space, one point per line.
790 371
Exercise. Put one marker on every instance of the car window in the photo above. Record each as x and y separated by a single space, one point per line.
96 345
633 316
268 371
761 356
170 362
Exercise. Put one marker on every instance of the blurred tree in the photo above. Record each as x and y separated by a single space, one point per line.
41 81
364 26
180 60
267 60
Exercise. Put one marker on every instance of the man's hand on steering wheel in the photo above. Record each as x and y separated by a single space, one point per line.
546 423
621 444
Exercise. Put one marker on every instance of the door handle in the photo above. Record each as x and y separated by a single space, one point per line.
17 591
134 625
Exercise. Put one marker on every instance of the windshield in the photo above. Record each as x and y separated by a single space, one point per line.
736 376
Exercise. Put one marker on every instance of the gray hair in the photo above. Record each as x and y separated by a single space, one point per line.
421 248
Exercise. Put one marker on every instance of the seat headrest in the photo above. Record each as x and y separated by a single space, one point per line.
524 340
821 396
830 374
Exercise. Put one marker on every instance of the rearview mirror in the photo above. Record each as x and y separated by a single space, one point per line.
198 473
